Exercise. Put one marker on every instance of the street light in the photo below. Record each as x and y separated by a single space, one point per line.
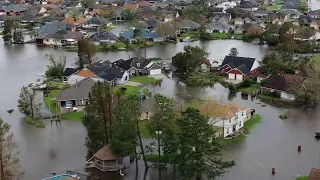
261 168
158 135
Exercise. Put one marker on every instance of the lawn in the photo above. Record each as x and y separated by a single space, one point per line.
144 131
266 97
51 102
129 89
252 89
255 119
302 178
143 79
73 116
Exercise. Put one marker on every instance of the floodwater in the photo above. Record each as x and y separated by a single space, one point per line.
60 147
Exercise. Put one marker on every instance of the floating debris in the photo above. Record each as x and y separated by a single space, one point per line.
263 105
10 111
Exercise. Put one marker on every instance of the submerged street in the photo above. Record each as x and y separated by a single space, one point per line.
59 147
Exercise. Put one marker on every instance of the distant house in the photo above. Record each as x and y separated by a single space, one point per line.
128 37
221 17
186 25
226 5
48 30
131 7
168 16
205 66
95 23
239 68
230 121
143 4
12 9
100 71
152 24
118 15
217 27
68 72
100 38
305 20
139 66
314 14
27 20
47 7
261 77
78 94
62 38
291 14
282 84
250 28
238 21
238 30
90 13
74 20
250 5
57 12
260 13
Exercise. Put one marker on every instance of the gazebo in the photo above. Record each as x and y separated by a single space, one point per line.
105 160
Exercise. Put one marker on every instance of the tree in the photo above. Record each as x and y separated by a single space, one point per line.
127 14
56 67
106 13
126 131
86 51
167 29
18 36
303 6
32 34
200 151
233 52
188 61
307 90
100 114
29 102
9 156
88 3
7 32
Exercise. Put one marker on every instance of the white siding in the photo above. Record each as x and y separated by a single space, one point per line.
155 71
231 76
124 78
255 65
76 78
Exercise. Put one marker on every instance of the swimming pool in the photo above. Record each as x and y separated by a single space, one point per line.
59 177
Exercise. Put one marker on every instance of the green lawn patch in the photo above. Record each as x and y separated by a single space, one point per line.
73 116
143 79
144 130
50 101
203 79
146 92
255 119
129 89
252 89
267 97
303 178
37 123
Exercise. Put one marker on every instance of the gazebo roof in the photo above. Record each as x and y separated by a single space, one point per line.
105 154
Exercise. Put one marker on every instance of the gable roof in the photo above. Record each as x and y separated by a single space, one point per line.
51 28
105 70
218 26
72 20
244 64
186 23
282 82
103 36
228 110
315 12
105 154
136 62
77 91
144 3
217 15
50 6
130 6
13 7
69 71
27 17
144 32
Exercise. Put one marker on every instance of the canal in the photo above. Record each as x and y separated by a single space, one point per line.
58 147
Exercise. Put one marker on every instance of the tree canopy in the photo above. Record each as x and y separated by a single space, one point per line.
29 101
56 67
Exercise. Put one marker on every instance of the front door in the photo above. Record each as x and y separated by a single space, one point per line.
234 128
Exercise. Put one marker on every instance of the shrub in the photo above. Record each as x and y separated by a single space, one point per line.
202 79
247 82
37 123
283 116
232 88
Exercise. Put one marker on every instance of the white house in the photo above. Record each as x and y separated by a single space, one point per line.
230 120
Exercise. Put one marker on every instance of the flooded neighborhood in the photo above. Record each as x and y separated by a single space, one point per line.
151 90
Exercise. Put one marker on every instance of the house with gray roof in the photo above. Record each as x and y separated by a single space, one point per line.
186 25
221 17
12 9
152 36
77 95
138 66
217 27
49 30
95 22
314 14
27 19
291 14
103 38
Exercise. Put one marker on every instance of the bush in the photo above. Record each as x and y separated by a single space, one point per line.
202 79
283 116
52 85
232 88
37 123
247 82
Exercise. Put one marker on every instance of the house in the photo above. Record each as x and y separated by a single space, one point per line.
291 14
250 5
217 27
305 20
314 14
127 36
47 7
315 24
282 84
90 13
49 29
105 160
229 120
12 9
131 7
48 19
100 71
27 20
152 24
101 38
57 12
238 30
186 25
205 66
250 28
261 77
139 66
75 96
168 16
68 72
76 21
118 15
221 17
145 14
314 174
226 5
239 68
238 21
143 4
248 18
260 13
62 38
95 23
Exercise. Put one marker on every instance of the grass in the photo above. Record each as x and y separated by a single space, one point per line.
302 178
146 92
255 119
266 97
37 123
252 89
143 79
155 158
51 102
144 131
129 89
73 116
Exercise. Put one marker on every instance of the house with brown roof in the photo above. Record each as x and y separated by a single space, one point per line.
105 160
74 20
283 84
132 7
90 13
228 119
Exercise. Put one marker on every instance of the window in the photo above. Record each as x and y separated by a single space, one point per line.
240 124
227 130
241 113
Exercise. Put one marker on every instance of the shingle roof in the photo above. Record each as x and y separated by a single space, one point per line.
136 62
130 6
103 36
3 17
282 82
244 64
51 28
69 71
315 12
13 7
95 20
144 32
105 154
218 26
72 20
186 23
77 91
104 70
28 18
217 15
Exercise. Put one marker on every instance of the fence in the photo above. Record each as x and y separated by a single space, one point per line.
82 176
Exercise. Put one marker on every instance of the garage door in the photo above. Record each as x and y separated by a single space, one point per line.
155 71
231 76
239 76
